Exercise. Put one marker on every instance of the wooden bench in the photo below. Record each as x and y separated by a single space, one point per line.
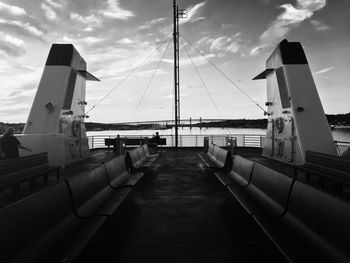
118 174
134 141
267 192
220 157
93 195
135 158
240 173
44 228
315 227
13 172
55 224
161 141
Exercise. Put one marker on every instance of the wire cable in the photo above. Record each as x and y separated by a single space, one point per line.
228 78
202 80
149 82
200 77
130 73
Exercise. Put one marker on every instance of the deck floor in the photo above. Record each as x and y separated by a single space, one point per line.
180 212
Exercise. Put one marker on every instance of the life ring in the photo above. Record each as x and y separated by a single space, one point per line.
279 124
76 128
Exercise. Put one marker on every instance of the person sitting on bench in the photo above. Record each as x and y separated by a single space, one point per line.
155 141
156 137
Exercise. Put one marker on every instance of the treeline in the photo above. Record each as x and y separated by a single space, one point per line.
241 123
339 119
333 119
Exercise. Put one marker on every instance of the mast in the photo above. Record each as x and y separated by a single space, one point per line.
176 71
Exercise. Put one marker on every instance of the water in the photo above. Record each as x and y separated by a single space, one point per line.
195 136
182 131
339 134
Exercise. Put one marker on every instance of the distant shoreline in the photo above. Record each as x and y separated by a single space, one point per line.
338 121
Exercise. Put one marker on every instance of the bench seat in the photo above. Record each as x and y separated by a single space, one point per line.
14 172
92 194
267 192
43 228
239 174
315 228
220 157
135 158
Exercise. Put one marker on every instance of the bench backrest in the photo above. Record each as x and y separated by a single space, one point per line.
211 149
133 141
222 157
135 158
328 161
117 171
275 186
327 216
160 141
146 150
88 190
23 223
17 164
243 167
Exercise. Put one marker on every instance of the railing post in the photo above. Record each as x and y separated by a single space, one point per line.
243 140
92 142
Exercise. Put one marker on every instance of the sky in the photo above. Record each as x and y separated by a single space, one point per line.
115 36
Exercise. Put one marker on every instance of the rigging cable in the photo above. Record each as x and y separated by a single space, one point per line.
130 73
149 82
228 78
200 77
205 86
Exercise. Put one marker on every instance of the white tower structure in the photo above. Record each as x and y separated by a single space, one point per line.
56 119
296 120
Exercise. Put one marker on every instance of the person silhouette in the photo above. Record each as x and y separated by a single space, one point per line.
9 144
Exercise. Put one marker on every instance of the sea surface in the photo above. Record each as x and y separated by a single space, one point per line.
339 133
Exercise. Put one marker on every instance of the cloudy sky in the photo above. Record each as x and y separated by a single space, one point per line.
114 36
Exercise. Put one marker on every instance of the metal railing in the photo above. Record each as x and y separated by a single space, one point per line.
242 140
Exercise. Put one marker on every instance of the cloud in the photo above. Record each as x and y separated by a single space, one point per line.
54 4
85 41
192 11
91 19
198 60
22 26
49 13
319 26
12 40
265 1
125 41
291 17
311 5
149 72
257 50
221 44
13 10
152 22
322 71
115 12
226 44
10 50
